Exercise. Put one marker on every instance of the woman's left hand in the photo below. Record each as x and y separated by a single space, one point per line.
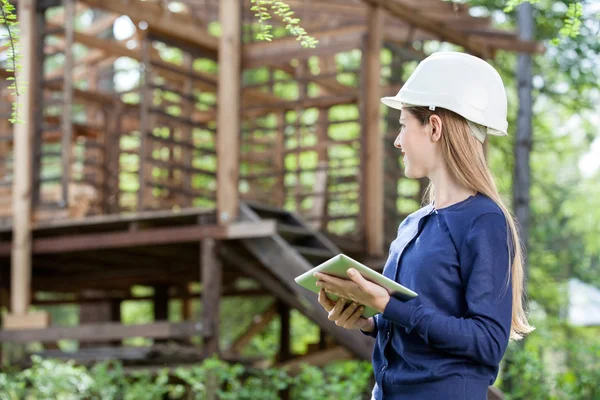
358 289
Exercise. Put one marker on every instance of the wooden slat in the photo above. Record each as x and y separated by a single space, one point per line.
104 331
113 240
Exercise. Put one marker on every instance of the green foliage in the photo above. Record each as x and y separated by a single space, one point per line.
9 19
572 17
283 11
50 379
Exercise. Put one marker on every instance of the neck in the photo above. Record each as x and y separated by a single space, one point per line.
447 190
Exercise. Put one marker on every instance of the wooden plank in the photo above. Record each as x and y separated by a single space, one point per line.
104 331
228 114
212 276
22 181
114 240
372 136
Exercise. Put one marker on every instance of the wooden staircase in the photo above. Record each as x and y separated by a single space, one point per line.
295 249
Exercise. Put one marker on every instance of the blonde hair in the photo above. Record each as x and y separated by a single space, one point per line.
464 156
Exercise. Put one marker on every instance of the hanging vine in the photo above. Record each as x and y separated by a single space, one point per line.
9 20
284 12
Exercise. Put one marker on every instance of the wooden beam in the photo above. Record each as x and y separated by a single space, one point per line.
103 332
420 20
22 181
228 113
281 51
372 135
158 236
212 276
180 27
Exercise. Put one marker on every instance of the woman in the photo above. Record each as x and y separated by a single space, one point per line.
457 252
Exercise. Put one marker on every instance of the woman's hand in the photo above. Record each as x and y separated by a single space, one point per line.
358 289
350 317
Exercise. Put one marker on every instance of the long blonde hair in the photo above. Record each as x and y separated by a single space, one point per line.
465 158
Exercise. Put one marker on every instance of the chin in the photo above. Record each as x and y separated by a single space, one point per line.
410 173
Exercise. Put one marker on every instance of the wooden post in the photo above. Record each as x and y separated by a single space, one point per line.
67 126
38 93
23 133
161 303
285 352
161 306
22 182
284 332
373 157
211 273
145 104
392 155
228 113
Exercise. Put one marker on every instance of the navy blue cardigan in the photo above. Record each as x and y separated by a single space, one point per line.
446 343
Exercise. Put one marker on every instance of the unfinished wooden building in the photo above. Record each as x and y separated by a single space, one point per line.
163 144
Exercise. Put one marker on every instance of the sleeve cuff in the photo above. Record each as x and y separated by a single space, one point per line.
374 333
399 312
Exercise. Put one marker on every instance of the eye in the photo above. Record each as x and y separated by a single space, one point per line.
402 127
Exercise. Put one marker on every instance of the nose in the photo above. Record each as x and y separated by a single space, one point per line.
397 143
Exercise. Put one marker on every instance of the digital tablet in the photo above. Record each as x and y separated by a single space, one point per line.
338 265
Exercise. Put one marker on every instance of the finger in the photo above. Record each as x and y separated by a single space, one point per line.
347 313
351 323
358 279
329 278
328 288
336 311
325 301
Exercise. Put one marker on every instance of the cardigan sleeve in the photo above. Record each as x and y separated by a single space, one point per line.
482 333
374 333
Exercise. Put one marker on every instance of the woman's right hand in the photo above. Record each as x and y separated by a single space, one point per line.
349 317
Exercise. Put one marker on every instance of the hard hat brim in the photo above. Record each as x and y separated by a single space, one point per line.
392 102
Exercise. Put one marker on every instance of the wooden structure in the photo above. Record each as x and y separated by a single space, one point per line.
156 153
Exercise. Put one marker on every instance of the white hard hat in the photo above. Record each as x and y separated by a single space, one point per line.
461 83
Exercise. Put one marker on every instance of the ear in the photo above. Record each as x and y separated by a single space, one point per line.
436 127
